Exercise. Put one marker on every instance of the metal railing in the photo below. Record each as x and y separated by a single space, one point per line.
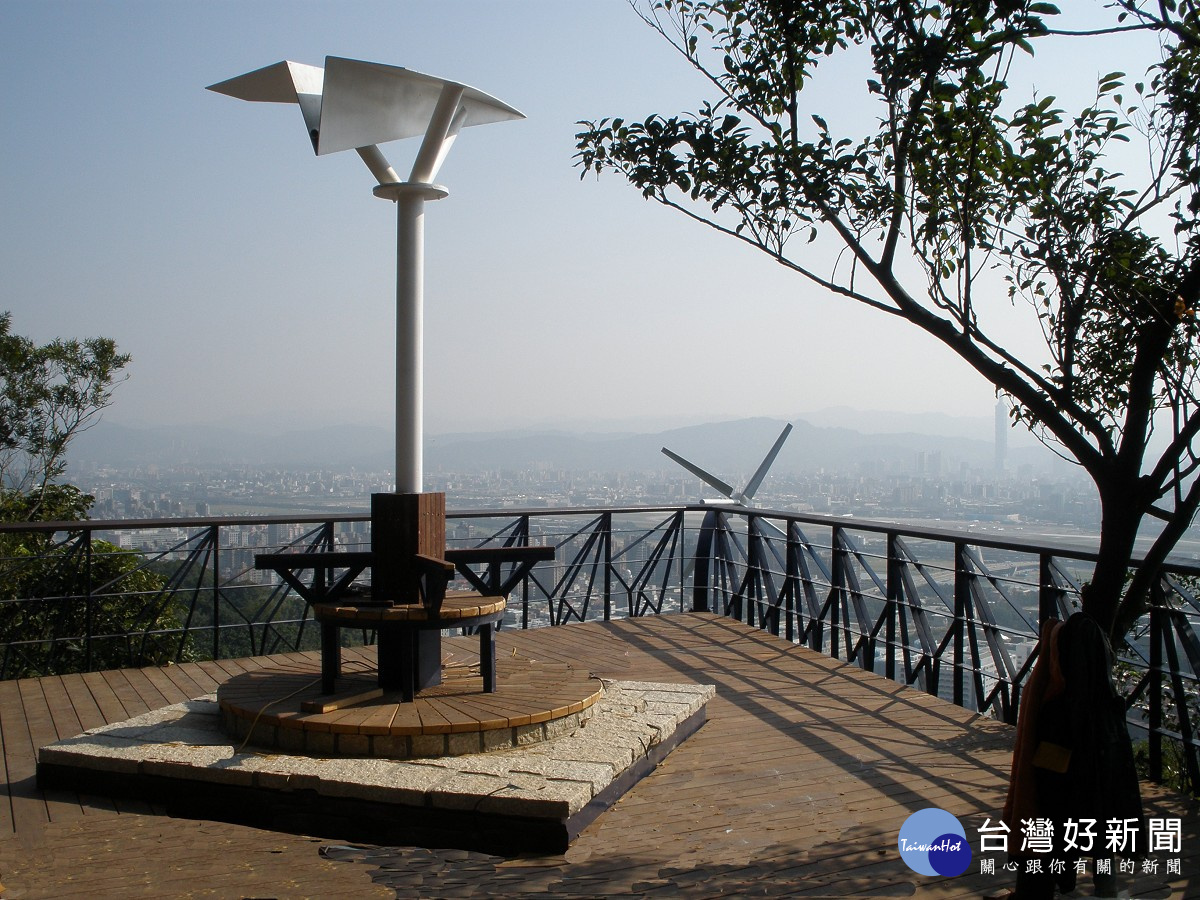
951 613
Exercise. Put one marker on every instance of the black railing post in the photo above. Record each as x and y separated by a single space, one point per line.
606 523
894 593
215 537
325 541
1154 687
1183 718
680 547
523 527
750 584
791 584
89 606
1048 591
701 578
962 594
837 591
682 558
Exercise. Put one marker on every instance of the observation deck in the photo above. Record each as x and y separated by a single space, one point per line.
831 723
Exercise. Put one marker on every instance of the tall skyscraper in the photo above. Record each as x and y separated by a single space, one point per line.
1001 434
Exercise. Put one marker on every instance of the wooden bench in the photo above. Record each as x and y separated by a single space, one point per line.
408 662
407 604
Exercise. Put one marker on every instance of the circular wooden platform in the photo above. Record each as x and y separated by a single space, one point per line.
282 708
458 607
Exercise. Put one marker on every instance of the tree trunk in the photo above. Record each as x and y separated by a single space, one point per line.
1120 518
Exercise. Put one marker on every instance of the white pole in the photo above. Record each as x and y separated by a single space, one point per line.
410 313
410 289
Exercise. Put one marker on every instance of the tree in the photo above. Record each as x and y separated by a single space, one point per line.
71 606
53 594
972 185
48 394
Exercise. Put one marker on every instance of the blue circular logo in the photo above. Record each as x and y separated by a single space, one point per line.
933 842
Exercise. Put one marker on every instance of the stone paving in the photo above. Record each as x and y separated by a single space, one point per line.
550 779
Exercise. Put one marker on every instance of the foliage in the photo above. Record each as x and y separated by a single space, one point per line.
47 610
54 590
54 503
1174 765
966 184
256 619
48 394
1174 773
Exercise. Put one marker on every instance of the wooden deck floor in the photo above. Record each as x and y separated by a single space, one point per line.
796 786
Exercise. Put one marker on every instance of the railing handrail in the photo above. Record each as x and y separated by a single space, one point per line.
921 532
178 522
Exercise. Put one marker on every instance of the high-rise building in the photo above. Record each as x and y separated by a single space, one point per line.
1001 434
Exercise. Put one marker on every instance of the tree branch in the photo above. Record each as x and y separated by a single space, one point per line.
779 257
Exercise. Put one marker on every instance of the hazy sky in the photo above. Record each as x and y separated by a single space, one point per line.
250 278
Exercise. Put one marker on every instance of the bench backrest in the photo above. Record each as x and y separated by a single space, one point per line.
403 527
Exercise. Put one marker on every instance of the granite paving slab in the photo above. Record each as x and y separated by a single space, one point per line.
525 797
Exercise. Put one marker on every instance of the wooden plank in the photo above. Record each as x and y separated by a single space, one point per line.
61 806
120 688
432 720
105 698
467 708
29 814
164 685
190 679
71 690
38 718
143 681
216 672
129 807
10 713
74 710
341 701
380 720
558 647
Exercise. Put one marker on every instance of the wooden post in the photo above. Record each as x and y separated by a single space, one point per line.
402 526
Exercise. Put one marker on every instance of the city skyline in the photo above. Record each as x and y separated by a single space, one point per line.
829 438
834 470
249 278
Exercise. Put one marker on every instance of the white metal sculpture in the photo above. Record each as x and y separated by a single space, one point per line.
351 104
728 493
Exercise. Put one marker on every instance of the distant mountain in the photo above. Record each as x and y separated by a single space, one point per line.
890 422
333 446
726 448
